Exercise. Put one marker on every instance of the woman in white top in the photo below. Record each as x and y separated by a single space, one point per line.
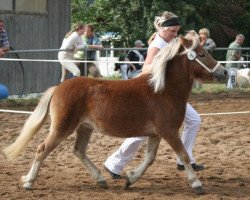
167 27
72 42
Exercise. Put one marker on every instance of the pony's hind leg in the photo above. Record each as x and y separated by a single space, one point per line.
151 150
175 142
82 139
43 150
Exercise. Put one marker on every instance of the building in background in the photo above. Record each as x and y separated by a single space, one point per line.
33 25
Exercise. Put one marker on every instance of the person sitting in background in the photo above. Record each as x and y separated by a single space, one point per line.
4 42
137 56
72 42
92 42
205 40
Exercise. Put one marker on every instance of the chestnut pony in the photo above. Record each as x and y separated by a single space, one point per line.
151 105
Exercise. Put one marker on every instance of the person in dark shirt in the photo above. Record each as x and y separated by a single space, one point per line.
137 56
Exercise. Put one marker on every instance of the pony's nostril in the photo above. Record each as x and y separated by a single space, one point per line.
226 72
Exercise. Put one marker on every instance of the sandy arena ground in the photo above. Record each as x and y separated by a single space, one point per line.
223 146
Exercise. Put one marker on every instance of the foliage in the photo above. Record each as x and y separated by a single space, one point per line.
134 19
27 103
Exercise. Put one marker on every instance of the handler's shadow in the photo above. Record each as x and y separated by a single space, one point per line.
234 188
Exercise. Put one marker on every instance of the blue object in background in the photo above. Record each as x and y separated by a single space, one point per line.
4 93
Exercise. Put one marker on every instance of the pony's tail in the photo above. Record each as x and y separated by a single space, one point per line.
31 126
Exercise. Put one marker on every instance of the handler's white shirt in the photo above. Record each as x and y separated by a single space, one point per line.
158 42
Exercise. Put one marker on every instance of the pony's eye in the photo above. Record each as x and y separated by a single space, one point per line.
201 55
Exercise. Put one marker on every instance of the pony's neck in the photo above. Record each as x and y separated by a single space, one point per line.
179 81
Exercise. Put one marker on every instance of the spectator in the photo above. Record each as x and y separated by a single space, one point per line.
205 40
167 27
4 42
234 54
92 42
123 67
209 45
72 42
136 55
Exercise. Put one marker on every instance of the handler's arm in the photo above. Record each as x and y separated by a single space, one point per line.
149 59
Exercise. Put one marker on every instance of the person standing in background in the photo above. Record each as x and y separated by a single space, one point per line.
72 42
137 56
4 42
234 54
92 42
123 67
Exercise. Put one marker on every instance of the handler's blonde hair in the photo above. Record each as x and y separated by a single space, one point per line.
160 19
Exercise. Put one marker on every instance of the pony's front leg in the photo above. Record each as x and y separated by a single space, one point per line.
151 150
175 142
192 178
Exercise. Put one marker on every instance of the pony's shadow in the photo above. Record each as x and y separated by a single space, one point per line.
220 187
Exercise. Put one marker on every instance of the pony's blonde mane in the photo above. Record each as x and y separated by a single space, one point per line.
160 61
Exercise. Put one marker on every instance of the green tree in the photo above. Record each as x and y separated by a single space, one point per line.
134 19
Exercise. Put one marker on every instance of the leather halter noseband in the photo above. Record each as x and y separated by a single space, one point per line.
193 56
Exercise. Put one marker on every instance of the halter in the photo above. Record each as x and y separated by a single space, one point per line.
193 56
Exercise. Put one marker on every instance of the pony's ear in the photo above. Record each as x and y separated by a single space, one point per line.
185 42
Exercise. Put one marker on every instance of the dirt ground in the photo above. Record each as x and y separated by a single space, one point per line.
223 146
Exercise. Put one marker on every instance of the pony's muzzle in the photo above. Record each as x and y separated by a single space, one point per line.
221 74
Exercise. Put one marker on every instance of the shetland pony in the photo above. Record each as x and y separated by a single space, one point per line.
151 105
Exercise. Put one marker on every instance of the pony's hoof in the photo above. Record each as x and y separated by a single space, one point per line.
198 190
103 184
26 184
128 183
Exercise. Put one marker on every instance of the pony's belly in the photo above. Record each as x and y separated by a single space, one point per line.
124 131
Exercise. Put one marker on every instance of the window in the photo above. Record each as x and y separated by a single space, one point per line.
25 6
6 5
31 6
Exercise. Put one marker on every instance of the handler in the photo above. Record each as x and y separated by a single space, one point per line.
167 27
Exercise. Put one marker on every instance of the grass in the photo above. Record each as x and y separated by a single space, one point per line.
32 102
217 88
205 89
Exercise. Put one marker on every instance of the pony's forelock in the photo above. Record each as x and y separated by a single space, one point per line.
194 37
159 64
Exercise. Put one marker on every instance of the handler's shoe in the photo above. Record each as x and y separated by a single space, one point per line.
196 167
113 175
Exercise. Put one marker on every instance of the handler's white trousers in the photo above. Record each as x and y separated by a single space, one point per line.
117 161
68 66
